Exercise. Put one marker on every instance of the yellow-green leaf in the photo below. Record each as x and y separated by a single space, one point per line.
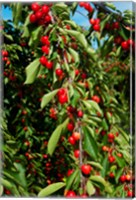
48 97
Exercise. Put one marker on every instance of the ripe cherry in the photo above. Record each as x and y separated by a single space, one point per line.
45 9
125 45
96 27
111 175
71 193
105 148
122 178
77 153
97 21
76 135
38 15
92 21
111 136
35 7
24 112
70 171
77 72
86 169
45 40
96 99
59 72
63 99
82 4
70 126
111 159
43 60
130 42
49 64
4 53
45 49
32 18
115 25
130 193
61 91
71 140
83 75
47 18
80 113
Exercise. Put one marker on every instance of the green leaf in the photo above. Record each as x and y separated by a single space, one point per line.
74 54
101 180
110 5
47 98
36 33
95 164
54 139
105 165
90 188
79 36
17 14
71 179
1 190
123 33
95 105
51 189
32 71
118 174
90 145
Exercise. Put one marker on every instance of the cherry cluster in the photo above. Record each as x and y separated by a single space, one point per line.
62 95
5 57
127 44
45 49
95 23
87 6
40 14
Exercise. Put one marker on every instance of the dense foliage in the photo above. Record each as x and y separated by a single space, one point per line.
66 115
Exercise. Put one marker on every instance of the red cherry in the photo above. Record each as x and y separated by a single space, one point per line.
49 64
27 143
107 26
77 72
43 60
97 21
82 4
24 112
111 159
86 169
25 128
96 99
38 15
4 53
70 126
35 7
45 49
47 18
71 193
124 45
59 72
111 136
45 9
130 193
63 99
111 175
96 27
32 18
70 171
92 21
84 76
122 178
45 40
118 40
103 133
115 25
83 195
61 91
77 153
71 140
68 27
45 156
130 42
87 6
80 113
